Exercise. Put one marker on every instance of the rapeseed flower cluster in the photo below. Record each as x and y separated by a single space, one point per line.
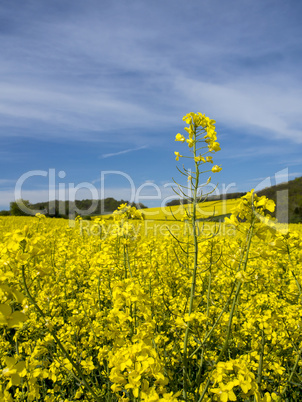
201 130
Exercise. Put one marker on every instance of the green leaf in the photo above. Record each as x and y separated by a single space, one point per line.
15 379
16 319
5 310
18 295
20 366
9 361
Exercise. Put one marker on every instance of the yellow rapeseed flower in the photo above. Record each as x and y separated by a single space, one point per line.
180 137
177 155
216 169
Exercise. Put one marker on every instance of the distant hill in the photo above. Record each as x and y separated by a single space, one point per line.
287 196
284 194
62 209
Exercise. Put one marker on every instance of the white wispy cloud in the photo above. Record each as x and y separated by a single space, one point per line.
125 151
65 84
259 106
248 153
7 181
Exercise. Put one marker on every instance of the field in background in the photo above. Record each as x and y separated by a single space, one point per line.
205 210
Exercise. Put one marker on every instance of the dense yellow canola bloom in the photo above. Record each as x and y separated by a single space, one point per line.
205 210
116 299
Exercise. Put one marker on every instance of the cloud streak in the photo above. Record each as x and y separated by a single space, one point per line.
126 151
258 107
66 85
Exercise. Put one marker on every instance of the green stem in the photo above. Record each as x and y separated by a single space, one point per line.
260 367
238 288
126 261
239 285
193 284
292 271
300 351
293 371
198 376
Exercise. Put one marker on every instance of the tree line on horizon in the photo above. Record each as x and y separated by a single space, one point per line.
63 209
287 196
291 190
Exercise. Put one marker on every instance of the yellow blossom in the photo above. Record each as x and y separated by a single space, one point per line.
214 146
190 142
177 154
199 159
216 168
180 137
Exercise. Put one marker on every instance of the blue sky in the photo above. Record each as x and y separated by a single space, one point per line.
88 88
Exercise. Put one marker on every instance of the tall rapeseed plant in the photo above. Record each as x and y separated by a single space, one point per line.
202 142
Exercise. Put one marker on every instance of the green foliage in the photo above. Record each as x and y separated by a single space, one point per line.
16 207
62 209
179 201
293 199
4 213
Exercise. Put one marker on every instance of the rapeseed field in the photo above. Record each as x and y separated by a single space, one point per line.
126 310
205 211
